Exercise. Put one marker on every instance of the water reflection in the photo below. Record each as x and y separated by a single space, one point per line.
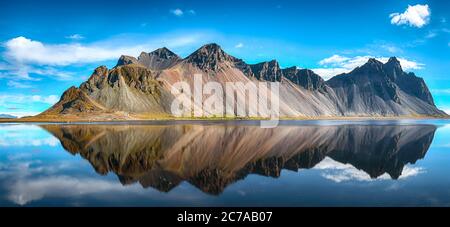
211 157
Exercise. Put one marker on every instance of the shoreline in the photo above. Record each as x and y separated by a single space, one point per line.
175 119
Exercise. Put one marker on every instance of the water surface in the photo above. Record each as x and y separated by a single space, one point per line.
299 163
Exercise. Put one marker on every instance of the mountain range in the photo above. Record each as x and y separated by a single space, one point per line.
139 88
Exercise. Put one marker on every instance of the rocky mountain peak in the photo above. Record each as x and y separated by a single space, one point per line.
126 60
209 57
373 63
393 60
393 68
158 59
305 78
269 71
162 53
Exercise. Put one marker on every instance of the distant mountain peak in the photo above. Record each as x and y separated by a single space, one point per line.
159 59
374 61
163 53
126 60
393 60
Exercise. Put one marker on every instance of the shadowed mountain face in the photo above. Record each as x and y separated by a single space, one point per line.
211 157
140 87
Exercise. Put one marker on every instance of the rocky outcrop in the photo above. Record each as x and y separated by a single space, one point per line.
159 59
305 78
267 71
127 60
211 157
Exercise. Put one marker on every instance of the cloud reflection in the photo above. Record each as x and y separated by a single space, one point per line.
339 172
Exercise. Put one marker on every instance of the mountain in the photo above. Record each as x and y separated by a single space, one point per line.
159 59
383 89
7 116
140 88
211 157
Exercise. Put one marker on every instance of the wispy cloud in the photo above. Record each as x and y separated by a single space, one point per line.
15 84
239 45
338 64
431 34
75 37
414 16
6 100
441 91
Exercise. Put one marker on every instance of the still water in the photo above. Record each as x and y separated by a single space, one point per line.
299 163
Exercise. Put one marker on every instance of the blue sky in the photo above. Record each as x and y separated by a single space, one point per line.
47 47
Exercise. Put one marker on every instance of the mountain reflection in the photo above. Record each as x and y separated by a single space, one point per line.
211 157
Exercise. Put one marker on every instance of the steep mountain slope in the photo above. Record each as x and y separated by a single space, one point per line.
122 90
140 87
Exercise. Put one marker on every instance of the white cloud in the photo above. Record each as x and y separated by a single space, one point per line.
338 64
192 12
239 45
335 59
16 84
75 37
177 12
414 16
24 50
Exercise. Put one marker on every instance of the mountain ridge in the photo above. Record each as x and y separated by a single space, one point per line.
140 87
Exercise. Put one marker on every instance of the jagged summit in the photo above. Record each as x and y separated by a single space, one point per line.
159 59
393 60
126 60
210 57
305 78
163 53
269 71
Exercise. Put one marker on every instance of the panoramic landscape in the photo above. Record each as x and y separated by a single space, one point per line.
186 105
